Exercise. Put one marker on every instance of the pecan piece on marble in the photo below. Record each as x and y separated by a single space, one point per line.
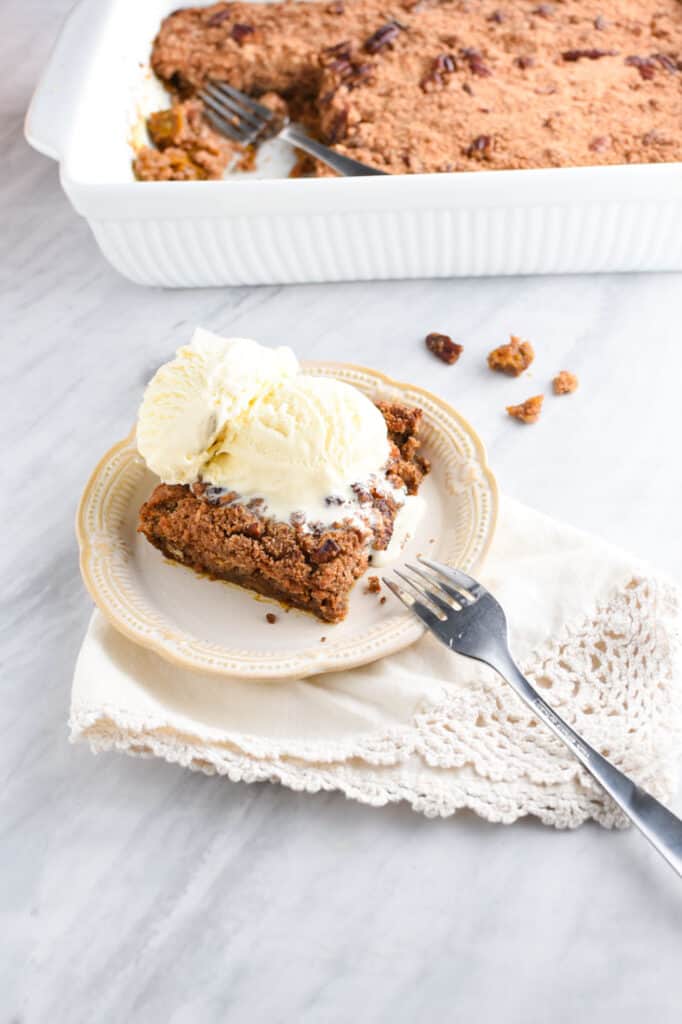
443 347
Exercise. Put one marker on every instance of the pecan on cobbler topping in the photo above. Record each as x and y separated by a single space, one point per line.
383 37
475 62
480 148
444 65
588 54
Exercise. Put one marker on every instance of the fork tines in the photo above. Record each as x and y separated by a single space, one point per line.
430 604
235 114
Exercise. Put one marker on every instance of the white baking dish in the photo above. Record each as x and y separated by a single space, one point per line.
256 229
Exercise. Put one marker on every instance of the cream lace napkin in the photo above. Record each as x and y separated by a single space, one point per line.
596 632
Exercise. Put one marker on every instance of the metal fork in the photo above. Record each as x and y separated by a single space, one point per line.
248 122
467 619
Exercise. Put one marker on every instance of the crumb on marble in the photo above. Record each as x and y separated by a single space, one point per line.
565 383
512 358
528 411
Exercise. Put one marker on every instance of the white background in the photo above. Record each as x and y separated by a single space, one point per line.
135 891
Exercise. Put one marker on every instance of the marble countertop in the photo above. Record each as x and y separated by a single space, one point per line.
136 891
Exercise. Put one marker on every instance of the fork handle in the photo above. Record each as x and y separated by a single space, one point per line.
343 164
660 826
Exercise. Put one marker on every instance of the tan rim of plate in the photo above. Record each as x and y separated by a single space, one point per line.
105 556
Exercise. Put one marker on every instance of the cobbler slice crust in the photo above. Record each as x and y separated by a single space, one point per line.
305 565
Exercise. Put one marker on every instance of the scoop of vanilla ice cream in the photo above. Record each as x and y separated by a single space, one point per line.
308 439
201 399
238 415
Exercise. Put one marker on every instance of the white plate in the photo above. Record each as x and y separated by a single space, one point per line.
221 628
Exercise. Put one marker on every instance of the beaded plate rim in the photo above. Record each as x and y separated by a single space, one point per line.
106 558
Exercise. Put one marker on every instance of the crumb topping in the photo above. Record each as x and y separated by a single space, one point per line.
437 87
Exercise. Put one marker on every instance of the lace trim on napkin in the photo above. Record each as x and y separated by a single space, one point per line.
612 675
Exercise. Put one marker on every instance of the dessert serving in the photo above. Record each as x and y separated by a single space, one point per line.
198 420
428 86
282 482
